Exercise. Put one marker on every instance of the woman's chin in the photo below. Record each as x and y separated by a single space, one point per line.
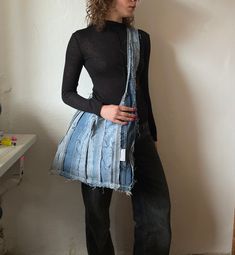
129 15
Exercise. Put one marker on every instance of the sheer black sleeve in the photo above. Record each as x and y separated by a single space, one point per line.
73 65
144 79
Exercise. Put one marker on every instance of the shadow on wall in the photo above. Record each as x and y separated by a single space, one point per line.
172 23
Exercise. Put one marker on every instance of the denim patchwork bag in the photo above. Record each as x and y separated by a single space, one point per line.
97 151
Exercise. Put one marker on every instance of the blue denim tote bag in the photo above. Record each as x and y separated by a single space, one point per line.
97 151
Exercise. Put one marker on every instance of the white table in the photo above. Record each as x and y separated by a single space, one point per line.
9 156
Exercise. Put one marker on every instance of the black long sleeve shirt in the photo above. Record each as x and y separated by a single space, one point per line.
104 55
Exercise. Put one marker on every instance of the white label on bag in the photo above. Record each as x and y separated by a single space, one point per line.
123 155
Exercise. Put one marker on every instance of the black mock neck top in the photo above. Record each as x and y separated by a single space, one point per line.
104 55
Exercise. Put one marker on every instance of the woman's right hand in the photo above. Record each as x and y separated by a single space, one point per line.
120 114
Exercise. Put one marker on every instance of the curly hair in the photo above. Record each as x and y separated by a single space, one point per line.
96 12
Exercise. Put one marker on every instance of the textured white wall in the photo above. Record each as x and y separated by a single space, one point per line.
192 91
192 84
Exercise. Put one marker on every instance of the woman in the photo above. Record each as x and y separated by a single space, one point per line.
101 48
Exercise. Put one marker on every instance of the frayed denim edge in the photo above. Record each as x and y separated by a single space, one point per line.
116 187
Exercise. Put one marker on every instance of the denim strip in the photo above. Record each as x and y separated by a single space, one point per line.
91 149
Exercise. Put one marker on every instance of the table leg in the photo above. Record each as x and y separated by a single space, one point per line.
10 179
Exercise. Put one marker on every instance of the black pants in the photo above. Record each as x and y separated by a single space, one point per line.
150 203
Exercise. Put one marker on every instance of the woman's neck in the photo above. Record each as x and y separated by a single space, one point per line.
114 17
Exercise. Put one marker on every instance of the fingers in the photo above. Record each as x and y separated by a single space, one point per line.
125 114
119 114
127 108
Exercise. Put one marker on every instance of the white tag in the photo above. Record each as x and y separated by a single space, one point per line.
123 155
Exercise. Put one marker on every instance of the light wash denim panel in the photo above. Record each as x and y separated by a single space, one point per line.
92 149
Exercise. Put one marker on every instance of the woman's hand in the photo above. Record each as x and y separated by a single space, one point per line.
119 114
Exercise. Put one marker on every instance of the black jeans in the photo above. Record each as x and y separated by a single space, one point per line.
150 202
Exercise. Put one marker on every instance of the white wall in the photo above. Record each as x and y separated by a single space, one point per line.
192 91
